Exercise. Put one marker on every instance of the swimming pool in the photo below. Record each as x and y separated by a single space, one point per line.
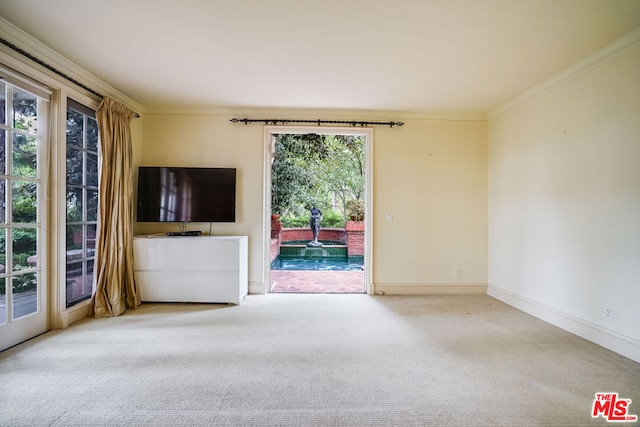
322 264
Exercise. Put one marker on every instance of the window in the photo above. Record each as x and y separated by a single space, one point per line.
82 201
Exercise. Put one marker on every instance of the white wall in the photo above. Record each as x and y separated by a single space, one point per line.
431 174
564 203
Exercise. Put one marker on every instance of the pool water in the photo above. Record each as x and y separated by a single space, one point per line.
324 264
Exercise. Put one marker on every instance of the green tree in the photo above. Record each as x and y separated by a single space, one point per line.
317 170
292 183
342 172
23 149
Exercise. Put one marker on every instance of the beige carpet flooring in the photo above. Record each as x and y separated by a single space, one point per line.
313 360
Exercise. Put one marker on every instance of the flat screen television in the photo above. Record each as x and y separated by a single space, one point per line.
186 194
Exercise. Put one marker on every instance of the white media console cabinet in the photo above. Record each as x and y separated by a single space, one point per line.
209 269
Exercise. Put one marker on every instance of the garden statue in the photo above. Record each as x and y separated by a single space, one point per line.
314 222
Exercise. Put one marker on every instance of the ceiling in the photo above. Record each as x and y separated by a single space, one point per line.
424 56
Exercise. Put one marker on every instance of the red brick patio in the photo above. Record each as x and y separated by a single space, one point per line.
317 282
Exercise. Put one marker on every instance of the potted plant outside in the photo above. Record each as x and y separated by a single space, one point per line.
355 215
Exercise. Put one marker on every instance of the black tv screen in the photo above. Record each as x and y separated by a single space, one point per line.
186 194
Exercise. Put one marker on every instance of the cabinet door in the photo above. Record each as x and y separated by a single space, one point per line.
188 286
185 253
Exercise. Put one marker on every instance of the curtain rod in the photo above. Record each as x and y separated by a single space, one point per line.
54 70
318 122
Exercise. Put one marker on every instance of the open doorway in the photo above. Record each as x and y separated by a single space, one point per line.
293 233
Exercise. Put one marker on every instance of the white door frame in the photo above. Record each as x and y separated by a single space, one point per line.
269 147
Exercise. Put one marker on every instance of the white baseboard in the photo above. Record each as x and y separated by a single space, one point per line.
611 340
430 289
257 288
71 315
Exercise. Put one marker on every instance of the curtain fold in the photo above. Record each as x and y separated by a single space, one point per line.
115 287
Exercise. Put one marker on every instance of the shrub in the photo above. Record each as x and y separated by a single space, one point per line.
330 219
295 221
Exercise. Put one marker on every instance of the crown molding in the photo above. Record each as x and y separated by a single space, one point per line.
598 57
24 41
312 114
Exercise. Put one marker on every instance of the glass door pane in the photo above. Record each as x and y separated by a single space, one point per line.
82 201
22 294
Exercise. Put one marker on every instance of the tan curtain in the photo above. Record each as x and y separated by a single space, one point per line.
115 288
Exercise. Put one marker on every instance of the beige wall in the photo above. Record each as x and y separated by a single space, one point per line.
211 140
430 174
432 177
564 203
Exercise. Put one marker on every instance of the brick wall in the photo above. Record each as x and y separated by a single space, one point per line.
276 229
352 235
275 249
355 238
333 234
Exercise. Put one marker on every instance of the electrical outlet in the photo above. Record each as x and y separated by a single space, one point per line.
608 312
457 272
